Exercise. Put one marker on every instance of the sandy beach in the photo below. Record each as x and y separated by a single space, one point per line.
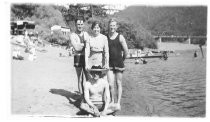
48 86
33 81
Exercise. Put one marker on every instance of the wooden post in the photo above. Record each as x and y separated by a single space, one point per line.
91 9
201 50
160 40
189 40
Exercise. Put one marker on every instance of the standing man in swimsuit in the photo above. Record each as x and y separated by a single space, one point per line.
118 51
78 40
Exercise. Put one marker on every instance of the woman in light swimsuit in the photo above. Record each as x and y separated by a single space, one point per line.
97 51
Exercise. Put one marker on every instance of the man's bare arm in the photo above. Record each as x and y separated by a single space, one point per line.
77 45
106 50
87 53
87 96
124 46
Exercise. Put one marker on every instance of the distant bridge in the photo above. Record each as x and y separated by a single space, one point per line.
187 38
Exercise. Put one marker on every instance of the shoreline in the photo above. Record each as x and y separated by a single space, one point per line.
174 46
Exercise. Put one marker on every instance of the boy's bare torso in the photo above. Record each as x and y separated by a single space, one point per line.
96 90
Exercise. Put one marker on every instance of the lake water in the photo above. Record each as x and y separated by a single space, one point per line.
176 87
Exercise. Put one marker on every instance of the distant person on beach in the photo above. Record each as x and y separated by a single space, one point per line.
70 51
96 94
118 51
32 50
137 61
16 54
149 53
78 41
25 33
97 50
195 54
143 60
26 40
165 55
139 54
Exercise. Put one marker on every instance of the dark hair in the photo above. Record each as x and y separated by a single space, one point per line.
79 18
96 67
96 72
96 23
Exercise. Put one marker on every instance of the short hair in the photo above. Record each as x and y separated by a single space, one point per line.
96 23
79 18
112 20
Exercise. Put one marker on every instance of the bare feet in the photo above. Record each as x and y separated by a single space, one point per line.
90 115
103 113
96 112
118 107
115 107
112 104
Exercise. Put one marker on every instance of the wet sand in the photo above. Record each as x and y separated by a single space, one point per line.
47 86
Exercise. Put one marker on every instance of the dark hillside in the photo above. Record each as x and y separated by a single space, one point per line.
182 20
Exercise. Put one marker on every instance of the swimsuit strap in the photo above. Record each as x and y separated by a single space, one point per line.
82 38
118 34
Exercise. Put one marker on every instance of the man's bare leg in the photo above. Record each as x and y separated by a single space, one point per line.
86 107
80 79
85 75
111 80
119 88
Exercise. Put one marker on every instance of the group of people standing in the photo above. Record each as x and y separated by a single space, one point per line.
99 63
30 47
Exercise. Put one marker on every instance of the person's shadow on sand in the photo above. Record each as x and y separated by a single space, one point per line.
73 98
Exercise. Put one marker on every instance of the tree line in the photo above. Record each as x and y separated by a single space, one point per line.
137 23
46 16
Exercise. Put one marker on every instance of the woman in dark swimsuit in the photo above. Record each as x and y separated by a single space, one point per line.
118 51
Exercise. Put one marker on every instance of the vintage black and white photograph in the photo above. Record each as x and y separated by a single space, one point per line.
81 59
